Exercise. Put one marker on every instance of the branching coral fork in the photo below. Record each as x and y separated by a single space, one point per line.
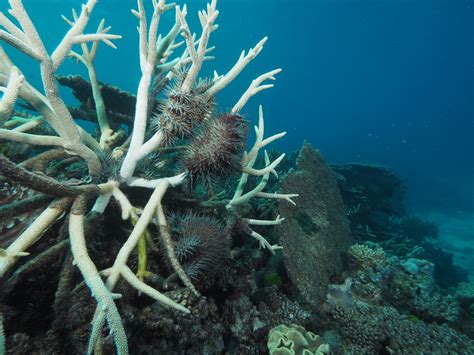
220 82
128 211
264 244
286 197
120 268
255 88
185 59
153 54
249 161
207 19
27 40
240 199
260 142
140 226
107 136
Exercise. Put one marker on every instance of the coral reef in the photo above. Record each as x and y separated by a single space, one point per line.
134 237
370 329
405 284
386 303
366 257
374 197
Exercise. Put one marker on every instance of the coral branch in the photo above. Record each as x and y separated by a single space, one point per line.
34 231
238 198
287 197
207 19
135 282
43 183
59 117
128 247
260 222
168 241
91 276
263 243
259 141
107 136
242 62
17 136
255 88
268 169
73 34
10 94
29 125
148 62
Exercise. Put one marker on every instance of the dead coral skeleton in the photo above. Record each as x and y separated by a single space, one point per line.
157 65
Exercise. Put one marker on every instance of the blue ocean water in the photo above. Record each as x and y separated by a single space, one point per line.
381 82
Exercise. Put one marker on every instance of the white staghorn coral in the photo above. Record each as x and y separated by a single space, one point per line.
155 52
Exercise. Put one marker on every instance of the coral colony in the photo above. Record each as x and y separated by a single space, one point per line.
174 106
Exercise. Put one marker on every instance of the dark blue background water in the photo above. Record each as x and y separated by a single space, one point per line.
384 82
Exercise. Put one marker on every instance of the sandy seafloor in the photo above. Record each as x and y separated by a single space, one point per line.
456 233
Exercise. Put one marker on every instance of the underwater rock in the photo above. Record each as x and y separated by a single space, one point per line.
316 233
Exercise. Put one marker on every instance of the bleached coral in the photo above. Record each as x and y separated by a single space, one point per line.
73 200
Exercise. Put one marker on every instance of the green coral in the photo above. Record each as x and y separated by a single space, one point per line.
273 278
293 339
6 149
